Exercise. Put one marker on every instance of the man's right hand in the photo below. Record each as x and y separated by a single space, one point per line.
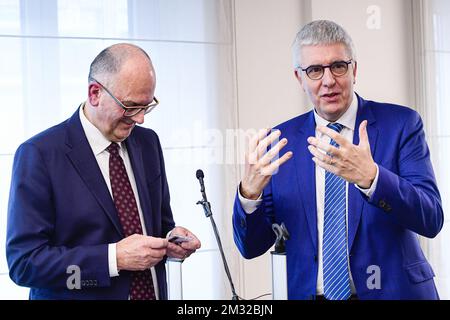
259 167
138 252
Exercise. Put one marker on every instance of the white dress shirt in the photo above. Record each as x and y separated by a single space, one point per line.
348 120
98 144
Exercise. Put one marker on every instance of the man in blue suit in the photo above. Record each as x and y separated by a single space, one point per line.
89 206
359 189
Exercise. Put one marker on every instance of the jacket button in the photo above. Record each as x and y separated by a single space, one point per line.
243 223
382 203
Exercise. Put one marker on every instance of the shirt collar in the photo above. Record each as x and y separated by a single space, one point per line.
348 119
96 139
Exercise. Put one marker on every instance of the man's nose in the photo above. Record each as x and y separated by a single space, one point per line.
328 78
139 118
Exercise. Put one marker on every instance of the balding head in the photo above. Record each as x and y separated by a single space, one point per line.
108 63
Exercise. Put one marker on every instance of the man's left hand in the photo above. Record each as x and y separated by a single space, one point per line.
353 163
184 249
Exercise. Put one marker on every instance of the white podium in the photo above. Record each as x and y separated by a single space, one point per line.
279 265
279 276
174 279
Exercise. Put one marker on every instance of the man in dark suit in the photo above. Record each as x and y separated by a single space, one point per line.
89 197
355 203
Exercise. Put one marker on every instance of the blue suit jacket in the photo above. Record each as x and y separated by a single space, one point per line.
382 231
61 213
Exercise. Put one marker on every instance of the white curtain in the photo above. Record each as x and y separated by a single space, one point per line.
47 46
432 29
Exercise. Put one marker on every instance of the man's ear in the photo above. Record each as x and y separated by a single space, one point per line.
298 75
355 69
94 94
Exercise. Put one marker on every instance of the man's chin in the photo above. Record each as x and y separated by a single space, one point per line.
122 134
332 111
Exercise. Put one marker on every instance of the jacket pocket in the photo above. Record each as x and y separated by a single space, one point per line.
419 272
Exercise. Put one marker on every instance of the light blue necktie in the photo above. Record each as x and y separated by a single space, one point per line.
336 278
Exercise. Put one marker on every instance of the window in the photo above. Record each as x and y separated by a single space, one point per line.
47 46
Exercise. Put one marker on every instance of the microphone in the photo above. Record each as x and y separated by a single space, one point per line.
200 175
206 205
208 213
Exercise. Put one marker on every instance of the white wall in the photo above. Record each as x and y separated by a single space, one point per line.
267 92
267 89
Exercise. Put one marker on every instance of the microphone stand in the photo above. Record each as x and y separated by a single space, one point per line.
208 213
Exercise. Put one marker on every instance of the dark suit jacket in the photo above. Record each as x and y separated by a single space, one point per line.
61 213
382 231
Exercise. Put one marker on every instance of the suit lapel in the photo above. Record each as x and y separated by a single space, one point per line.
306 174
355 198
81 155
137 163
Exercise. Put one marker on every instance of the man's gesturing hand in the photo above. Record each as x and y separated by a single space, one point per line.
259 166
139 252
353 163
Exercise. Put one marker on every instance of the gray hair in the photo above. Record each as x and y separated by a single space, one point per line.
109 62
321 32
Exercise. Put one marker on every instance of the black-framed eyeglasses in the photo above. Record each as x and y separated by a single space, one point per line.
338 69
130 111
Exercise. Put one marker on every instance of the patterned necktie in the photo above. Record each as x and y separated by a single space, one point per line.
336 276
125 201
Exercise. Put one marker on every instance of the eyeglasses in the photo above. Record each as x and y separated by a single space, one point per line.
130 111
338 69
